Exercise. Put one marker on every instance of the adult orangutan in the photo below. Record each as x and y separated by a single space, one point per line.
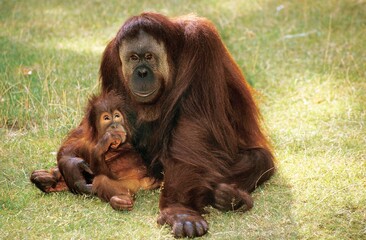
195 121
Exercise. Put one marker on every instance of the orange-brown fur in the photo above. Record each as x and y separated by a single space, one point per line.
203 132
126 172
130 177
206 134
49 181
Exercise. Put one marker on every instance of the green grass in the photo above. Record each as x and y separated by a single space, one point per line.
307 61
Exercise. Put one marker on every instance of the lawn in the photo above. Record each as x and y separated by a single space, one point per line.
306 59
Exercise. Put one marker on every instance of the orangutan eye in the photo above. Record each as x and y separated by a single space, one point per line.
134 58
106 118
148 56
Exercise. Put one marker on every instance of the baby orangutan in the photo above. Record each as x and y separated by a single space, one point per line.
116 170
119 170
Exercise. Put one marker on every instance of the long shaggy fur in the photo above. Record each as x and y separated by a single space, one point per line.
208 130
202 136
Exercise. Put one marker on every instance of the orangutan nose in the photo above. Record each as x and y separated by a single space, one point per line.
142 72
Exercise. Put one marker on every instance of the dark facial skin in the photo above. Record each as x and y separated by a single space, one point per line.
145 67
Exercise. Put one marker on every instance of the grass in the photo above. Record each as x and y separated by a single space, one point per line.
305 58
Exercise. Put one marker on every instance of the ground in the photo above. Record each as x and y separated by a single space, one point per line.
306 59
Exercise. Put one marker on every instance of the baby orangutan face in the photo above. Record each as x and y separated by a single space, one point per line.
113 123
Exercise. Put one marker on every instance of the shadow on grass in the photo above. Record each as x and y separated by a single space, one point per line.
270 218
29 98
